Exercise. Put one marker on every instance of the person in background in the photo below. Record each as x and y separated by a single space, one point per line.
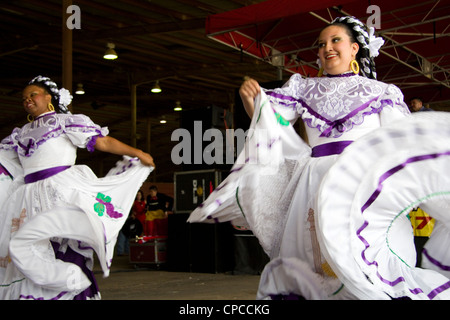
416 105
131 229
158 207
140 206
158 201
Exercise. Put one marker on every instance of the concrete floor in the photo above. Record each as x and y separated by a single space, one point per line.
126 282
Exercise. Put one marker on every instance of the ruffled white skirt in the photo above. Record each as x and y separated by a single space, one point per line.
337 227
364 202
51 227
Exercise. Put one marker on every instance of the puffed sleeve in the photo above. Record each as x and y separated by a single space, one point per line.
9 163
394 106
10 142
10 170
83 132
9 159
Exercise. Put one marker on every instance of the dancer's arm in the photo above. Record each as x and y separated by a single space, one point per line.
248 92
112 145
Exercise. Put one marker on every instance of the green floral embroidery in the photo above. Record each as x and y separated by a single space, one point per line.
104 205
281 120
99 208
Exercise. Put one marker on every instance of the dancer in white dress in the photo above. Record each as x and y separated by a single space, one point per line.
55 214
274 185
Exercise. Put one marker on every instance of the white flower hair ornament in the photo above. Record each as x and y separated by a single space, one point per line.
63 95
375 43
65 98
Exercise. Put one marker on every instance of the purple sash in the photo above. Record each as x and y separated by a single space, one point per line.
44 174
328 149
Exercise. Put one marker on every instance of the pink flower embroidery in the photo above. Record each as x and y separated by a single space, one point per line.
17 222
4 261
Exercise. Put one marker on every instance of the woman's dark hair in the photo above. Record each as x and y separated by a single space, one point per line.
61 98
357 32
142 194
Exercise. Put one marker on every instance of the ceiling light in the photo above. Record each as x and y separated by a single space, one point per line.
110 53
178 106
156 88
80 89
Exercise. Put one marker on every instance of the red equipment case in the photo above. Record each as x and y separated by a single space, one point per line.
148 250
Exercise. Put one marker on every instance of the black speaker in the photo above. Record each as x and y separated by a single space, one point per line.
193 187
197 122
249 256
178 243
211 247
199 247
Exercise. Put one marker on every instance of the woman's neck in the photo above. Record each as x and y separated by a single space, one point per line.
345 74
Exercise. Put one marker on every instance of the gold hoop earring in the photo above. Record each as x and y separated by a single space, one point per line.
30 118
51 107
320 73
354 66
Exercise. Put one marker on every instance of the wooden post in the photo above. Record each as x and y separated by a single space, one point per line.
66 51
133 115
149 134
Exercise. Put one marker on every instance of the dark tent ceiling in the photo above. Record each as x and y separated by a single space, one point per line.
415 56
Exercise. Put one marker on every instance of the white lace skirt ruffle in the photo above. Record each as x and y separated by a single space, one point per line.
73 204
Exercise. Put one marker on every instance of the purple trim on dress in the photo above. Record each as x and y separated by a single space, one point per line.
338 124
434 261
330 148
305 98
332 124
289 296
74 257
27 139
438 290
40 298
44 174
124 167
390 172
370 201
216 220
220 187
4 171
294 101
237 169
90 146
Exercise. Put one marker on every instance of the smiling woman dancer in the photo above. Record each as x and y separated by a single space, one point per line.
274 185
54 213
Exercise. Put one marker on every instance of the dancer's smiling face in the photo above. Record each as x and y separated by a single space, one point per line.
336 49
35 100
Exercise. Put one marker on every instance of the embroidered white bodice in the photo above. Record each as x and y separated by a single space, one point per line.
332 106
51 140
